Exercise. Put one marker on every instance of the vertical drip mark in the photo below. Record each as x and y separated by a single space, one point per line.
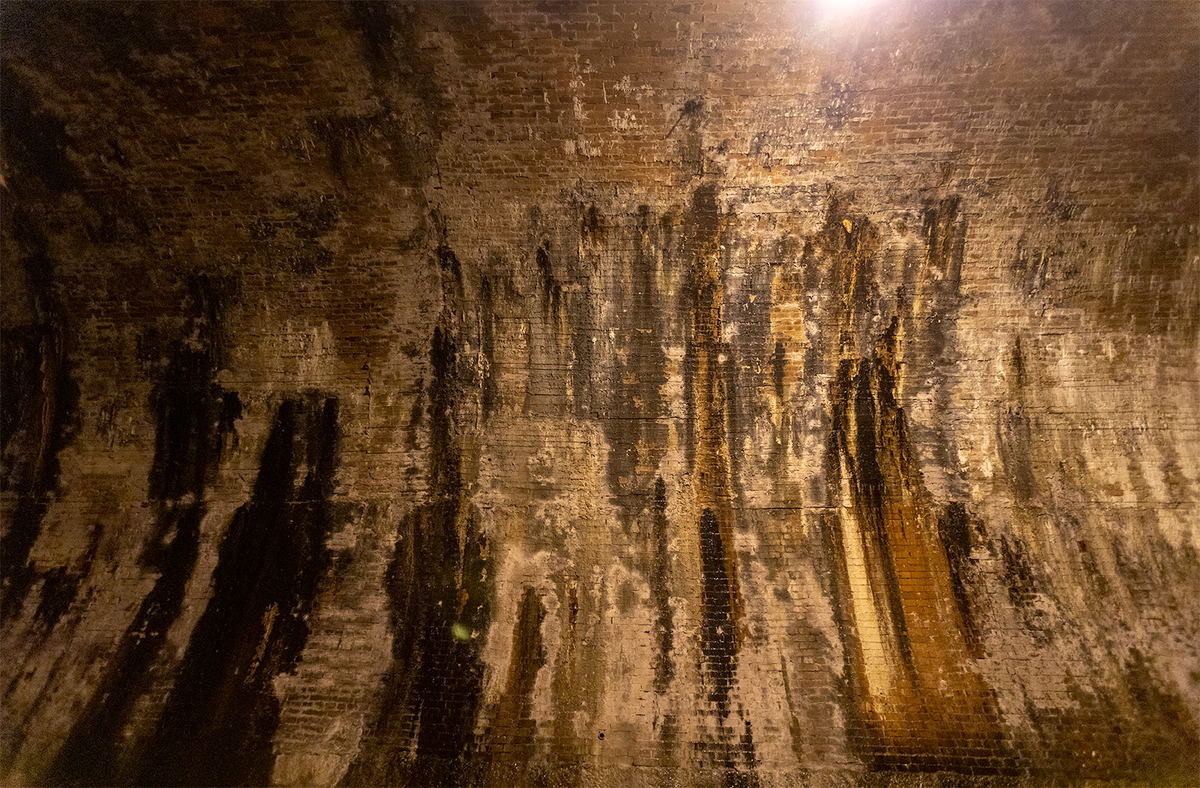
716 639
635 432
872 510
1014 432
220 718
664 625
794 730
778 365
583 308
939 297
439 589
747 775
551 288
905 608
451 578
513 729
783 431
708 429
954 529
567 748
490 395
708 397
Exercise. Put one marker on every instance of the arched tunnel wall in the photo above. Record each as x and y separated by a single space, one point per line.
599 393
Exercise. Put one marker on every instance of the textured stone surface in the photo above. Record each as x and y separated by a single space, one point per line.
732 393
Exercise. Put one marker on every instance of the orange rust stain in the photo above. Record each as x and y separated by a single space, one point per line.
712 463
909 652
907 647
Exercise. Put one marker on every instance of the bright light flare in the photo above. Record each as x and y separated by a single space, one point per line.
844 7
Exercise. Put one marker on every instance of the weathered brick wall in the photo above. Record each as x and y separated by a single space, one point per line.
590 393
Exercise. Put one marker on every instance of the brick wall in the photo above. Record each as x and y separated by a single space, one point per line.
600 393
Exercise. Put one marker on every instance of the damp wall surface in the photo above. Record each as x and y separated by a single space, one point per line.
600 393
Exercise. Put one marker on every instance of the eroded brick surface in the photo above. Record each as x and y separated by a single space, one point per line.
600 393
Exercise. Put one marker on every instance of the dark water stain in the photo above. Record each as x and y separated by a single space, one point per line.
39 414
35 138
718 649
511 733
189 408
1135 731
582 306
783 435
449 681
416 418
1034 266
549 286
222 712
406 84
59 591
954 530
705 382
352 142
778 365
451 267
739 379
60 587
716 633
712 417
39 370
794 730
1081 743
583 312
744 774
871 465
933 328
119 35
634 427
1091 569
380 32
1014 432
691 146
836 583
567 749
393 53
669 735
849 242
1059 203
1169 730
660 591
854 413
592 227
1136 576
945 232
92 752
490 395
314 214
118 219
1018 575
440 603
916 722
192 414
